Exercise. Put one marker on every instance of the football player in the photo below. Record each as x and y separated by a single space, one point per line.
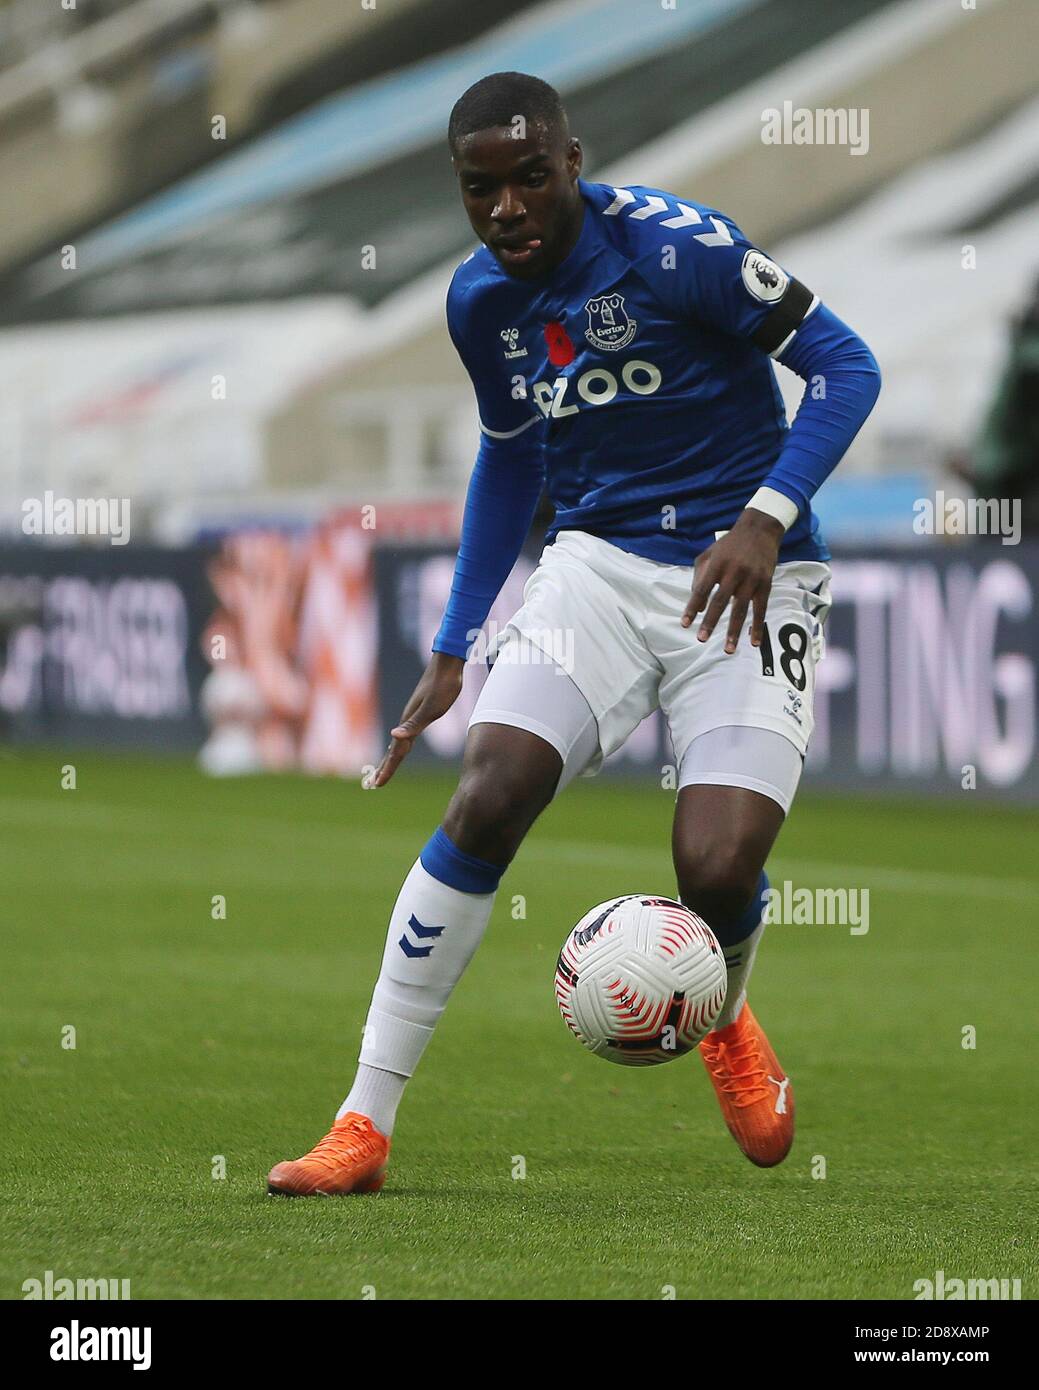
621 345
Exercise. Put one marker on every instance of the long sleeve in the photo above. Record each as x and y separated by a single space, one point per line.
506 480
843 384
723 280
499 507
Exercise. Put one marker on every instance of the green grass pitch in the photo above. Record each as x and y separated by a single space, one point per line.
197 1038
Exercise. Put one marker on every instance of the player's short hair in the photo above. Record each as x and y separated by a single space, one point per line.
496 100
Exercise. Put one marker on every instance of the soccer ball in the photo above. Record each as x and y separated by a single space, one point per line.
640 980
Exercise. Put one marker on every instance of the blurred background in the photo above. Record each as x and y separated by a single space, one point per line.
228 231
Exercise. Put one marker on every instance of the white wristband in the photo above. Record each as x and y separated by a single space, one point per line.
775 504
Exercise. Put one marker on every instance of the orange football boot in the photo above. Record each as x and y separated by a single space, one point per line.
753 1090
351 1158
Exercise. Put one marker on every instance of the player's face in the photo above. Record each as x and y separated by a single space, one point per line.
521 196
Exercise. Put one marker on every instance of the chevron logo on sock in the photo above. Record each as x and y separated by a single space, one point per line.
423 934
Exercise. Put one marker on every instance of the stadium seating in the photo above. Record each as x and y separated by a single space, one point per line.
381 407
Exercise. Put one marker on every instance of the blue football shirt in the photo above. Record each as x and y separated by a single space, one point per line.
640 369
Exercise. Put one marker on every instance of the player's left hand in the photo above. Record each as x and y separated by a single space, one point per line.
739 567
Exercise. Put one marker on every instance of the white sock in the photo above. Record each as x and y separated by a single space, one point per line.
739 962
434 931
375 1093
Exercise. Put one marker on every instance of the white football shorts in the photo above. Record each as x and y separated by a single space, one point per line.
611 621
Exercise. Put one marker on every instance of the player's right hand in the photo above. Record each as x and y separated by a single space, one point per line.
436 692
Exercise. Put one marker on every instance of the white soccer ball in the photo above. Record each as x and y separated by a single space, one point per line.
640 980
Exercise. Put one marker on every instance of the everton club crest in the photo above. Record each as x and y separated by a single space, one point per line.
610 326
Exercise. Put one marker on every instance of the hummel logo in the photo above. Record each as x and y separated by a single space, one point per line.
781 1098
510 337
423 933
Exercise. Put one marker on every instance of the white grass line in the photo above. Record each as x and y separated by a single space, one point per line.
910 880
85 817
824 874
